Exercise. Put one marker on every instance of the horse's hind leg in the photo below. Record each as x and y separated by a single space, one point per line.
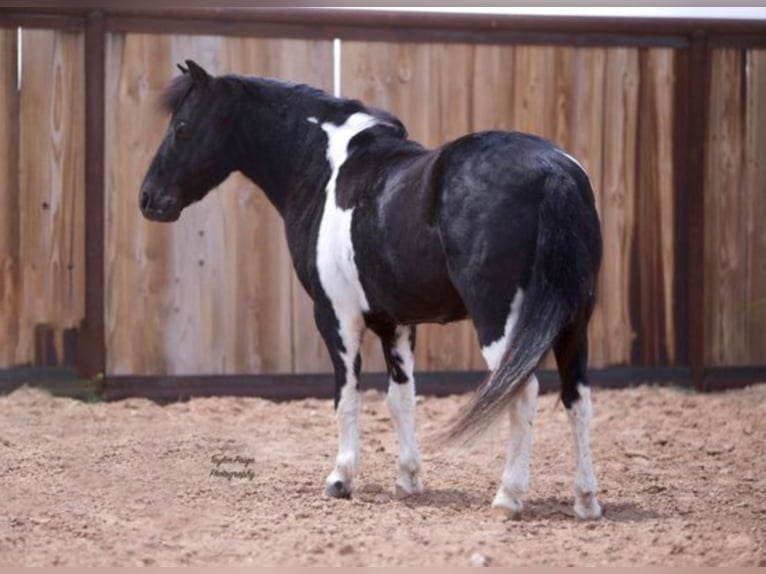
509 499
398 350
494 337
571 352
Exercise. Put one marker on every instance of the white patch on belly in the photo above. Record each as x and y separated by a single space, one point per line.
493 353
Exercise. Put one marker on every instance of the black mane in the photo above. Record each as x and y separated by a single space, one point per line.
306 95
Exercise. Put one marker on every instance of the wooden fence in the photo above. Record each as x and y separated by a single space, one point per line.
669 117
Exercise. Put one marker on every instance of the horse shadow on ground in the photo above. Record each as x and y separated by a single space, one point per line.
555 508
432 497
551 508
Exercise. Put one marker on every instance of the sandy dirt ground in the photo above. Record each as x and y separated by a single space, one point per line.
683 482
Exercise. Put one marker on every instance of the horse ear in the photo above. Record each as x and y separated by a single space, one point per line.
198 74
183 70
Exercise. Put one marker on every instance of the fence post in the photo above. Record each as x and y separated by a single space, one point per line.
92 349
699 62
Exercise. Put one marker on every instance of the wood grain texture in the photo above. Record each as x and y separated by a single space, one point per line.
135 301
587 144
654 269
217 287
735 205
51 176
618 198
725 214
9 201
755 173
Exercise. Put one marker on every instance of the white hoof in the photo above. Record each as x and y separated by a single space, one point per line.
586 507
507 506
337 485
407 485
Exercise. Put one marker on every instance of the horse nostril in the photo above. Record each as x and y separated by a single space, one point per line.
143 200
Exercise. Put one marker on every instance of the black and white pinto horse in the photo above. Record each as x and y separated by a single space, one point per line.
385 234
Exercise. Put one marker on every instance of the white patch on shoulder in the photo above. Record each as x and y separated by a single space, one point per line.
335 251
573 160
493 353
313 120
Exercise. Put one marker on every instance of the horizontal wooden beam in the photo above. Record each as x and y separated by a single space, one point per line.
65 382
14 18
399 26
286 387
396 27
723 378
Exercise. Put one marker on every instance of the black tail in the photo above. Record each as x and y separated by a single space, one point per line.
560 295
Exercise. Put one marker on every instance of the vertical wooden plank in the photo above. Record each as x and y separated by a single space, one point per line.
587 145
493 87
655 210
618 199
532 66
219 280
755 170
725 218
51 182
561 99
136 272
9 201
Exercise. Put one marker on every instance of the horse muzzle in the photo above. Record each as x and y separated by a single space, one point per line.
165 208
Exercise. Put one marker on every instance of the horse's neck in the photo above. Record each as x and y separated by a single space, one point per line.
282 151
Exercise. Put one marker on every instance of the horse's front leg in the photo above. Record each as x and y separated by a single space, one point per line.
398 350
342 333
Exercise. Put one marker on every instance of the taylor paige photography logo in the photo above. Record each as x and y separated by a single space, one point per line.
228 467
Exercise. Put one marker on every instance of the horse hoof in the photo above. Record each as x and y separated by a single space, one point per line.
507 507
337 489
586 507
408 485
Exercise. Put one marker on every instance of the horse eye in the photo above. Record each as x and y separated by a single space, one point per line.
182 129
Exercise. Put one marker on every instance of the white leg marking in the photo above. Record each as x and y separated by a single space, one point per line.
401 403
586 506
509 498
493 353
339 278
347 415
